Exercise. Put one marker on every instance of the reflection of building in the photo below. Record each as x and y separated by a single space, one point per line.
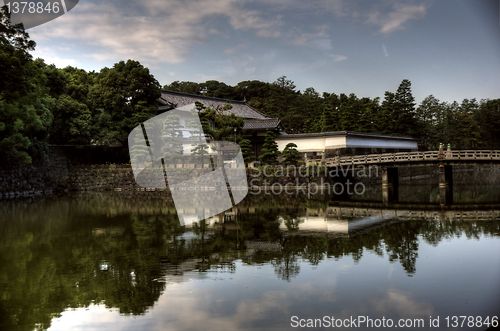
321 221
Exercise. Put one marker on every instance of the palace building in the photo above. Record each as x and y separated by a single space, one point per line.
340 143
256 125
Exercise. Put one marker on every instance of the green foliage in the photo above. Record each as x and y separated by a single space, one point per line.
25 106
247 150
122 97
488 120
14 58
291 154
269 152
40 103
72 122
398 114
218 124
200 150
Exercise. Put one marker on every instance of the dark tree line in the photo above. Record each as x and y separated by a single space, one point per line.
470 124
41 104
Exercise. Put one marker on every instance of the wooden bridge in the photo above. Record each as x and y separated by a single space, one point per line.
389 162
415 157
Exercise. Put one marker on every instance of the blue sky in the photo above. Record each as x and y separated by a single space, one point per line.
448 48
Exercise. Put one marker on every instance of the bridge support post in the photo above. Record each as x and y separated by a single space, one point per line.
445 184
390 184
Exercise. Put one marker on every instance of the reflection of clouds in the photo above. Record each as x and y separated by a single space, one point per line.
193 306
241 302
258 308
91 318
251 301
396 302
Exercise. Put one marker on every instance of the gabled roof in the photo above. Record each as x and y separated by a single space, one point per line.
171 99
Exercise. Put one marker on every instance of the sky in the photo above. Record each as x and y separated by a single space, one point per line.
448 48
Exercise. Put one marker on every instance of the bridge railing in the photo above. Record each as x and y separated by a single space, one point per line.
414 157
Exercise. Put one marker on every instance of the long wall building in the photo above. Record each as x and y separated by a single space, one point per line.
345 143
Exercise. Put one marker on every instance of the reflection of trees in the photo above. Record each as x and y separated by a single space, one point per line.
286 267
51 253
401 244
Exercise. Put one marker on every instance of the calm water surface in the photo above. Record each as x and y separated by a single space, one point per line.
112 262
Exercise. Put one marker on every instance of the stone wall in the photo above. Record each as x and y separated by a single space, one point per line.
31 181
70 169
102 177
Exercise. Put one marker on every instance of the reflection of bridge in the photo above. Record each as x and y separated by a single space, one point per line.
410 214
347 220
390 162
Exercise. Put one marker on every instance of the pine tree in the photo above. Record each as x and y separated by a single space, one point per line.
246 150
291 154
404 110
269 152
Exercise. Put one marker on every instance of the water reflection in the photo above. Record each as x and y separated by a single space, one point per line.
252 267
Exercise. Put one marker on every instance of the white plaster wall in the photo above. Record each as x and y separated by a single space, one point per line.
306 144
319 144
335 142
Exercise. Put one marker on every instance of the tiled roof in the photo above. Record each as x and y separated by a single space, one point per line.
256 124
170 99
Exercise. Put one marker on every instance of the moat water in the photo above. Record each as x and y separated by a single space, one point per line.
120 261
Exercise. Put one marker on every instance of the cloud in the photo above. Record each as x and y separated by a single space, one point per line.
152 31
338 57
396 17
51 56
318 38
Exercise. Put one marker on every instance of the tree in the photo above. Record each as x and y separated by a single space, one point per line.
404 110
185 87
247 150
72 122
122 97
432 115
284 83
291 154
329 119
14 58
463 131
218 124
269 152
488 119
24 102
213 88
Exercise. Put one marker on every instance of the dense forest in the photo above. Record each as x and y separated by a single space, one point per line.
41 104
